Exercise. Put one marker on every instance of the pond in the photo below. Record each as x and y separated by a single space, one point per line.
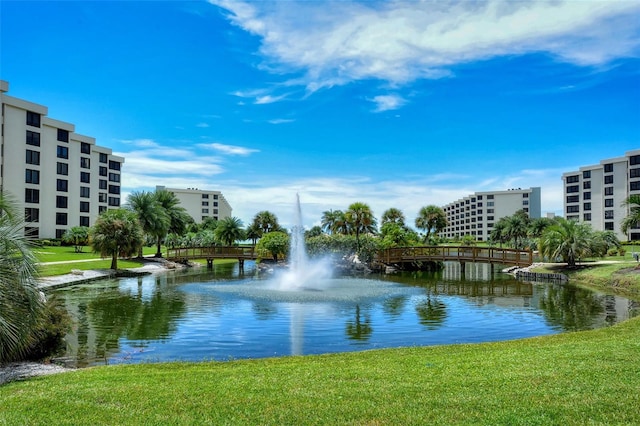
224 314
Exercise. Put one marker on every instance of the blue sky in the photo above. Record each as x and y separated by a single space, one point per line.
395 104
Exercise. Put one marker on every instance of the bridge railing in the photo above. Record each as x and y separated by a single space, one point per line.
456 253
219 252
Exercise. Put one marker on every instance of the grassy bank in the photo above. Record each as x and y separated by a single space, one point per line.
622 278
572 378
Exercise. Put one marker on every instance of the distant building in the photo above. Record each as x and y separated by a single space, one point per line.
595 194
477 214
201 204
59 178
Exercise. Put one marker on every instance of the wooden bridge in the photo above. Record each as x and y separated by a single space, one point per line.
491 255
242 253
391 256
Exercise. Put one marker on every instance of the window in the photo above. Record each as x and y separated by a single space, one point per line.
103 184
608 179
60 233
114 165
84 221
608 226
84 192
587 217
33 138
114 189
114 177
102 209
85 177
33 119
525 195
634 159
205 211
586 206
32 176
63 135
103 157
205 203
586 174
85 148
61 218
103 171
490 218
31 214
102 197
32 157
479 197
62 202
489 197
573 188
62 185
478 205
573 209
114 201
490 211
85 162
490 203
586 184
608 202
573 198
608 168
586 196
205 196
31 232
573 179
63 152
31 195
84 206
62 169
608 214
608 190
634 173
525 202
634 186
573 217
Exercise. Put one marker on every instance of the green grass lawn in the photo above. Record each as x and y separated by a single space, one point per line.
65 268
588 377
67 253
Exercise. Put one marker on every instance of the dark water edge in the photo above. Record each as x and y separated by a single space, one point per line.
223 314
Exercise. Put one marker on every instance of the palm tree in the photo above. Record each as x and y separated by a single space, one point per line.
253 233
117 233
633 218
266 221
229 230
153 218
393 215
178 216
571 240
330 219
360 220
516 226
78 236
21 307
431 218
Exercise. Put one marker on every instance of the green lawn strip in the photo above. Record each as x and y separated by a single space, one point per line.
571 378
67 253
65 268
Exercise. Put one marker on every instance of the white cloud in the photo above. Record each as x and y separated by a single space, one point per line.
229 149
141 143
387 102
281 121
202 125
401 41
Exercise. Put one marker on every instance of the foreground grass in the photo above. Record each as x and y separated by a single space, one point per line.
572 378
67 253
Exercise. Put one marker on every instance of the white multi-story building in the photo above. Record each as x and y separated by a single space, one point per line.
60 178
201 204
596 194
477 214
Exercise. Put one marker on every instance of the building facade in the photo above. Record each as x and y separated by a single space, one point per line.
201 204
596 194
60 178
477 214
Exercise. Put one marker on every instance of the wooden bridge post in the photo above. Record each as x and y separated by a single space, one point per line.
209 263
241 265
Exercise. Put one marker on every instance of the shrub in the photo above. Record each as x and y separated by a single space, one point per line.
50 331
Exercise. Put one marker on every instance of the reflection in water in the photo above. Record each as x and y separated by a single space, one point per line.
222 314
